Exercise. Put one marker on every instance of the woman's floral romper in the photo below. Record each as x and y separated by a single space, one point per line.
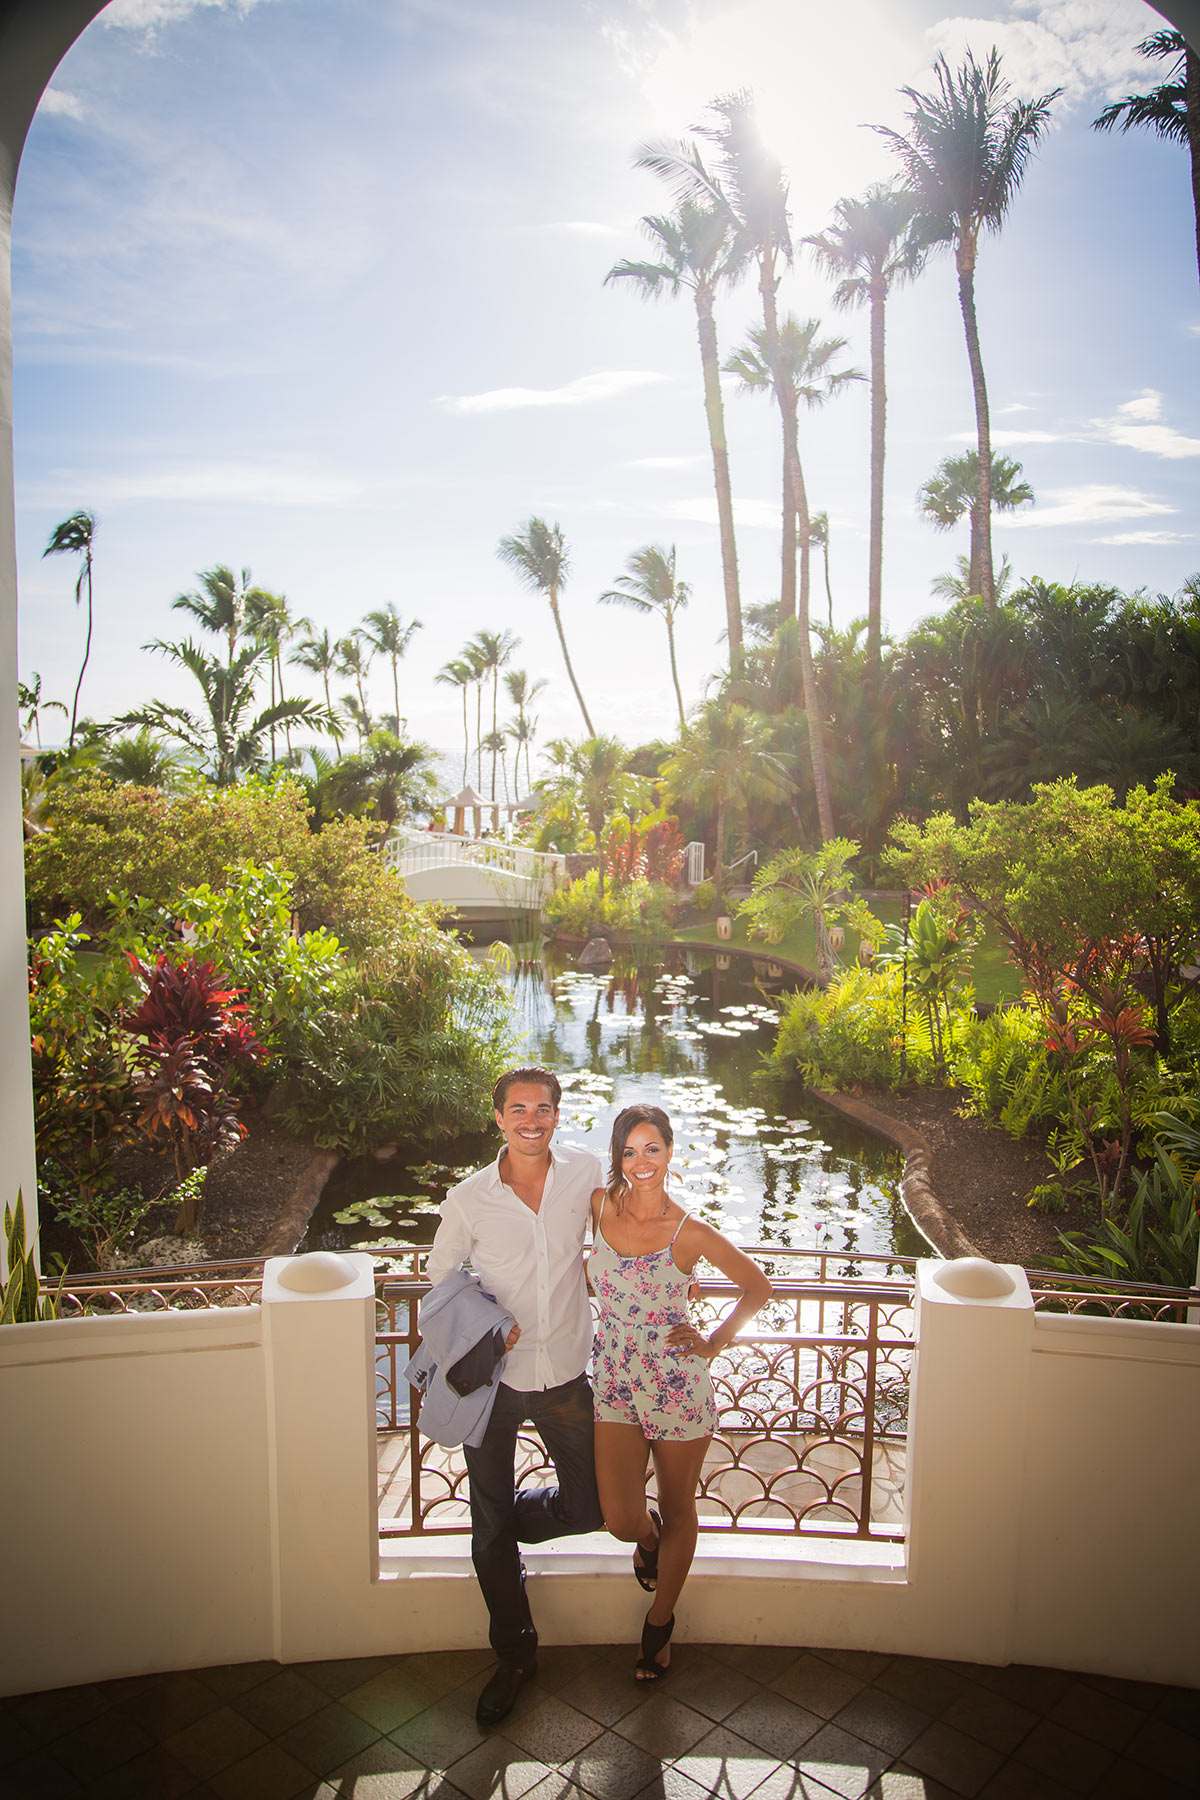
639 1378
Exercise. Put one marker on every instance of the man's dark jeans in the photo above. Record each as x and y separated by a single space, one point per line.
501 1518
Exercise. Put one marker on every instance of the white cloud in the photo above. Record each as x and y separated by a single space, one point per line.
1147 537
59 100
1017 406
1079 45
203 483
1091 504
148 15
606 384
1137 425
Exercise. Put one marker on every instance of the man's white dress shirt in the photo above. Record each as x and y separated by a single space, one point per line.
531 1261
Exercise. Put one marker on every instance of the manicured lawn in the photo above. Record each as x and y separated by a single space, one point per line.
996 978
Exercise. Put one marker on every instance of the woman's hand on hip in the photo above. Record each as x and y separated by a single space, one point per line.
691 1341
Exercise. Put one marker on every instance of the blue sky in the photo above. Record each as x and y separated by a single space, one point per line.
316 287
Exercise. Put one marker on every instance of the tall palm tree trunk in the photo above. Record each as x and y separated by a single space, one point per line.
466 737
495 746
786 400
479 733
675 674
983 427
1191 93
562 642
714 408
808 675
87 651
878 448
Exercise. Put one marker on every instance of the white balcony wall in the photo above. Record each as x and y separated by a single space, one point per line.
196 1488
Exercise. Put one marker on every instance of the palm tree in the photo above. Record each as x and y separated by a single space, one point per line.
267 616
388 634
30 702
390 777
695 249
538 556
957 585
955 490
749 190
497 742
459 674
354 660
143 760
490 650
76 536
593 777
801 366
964 156
652 586
723 762
818 539
868 247
1172 109
319 656
224 605
523 692
224 736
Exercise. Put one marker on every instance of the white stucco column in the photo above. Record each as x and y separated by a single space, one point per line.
34 36
319 1338
966 1455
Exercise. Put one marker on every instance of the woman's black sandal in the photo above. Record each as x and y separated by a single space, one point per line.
646 1570
654 1639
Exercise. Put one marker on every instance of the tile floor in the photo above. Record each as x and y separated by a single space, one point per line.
775 1724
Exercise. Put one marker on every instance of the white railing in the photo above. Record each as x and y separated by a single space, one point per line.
408 851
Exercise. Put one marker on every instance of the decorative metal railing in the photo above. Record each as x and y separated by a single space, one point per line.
185 1288
813 1403
813 1407
1053 1292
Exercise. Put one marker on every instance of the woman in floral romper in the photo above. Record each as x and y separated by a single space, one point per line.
653 1390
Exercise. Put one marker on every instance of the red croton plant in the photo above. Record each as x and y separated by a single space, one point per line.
195 1036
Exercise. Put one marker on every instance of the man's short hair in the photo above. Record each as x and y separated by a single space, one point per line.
542 1077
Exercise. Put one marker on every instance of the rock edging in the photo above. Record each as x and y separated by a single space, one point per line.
942 1233
292 1223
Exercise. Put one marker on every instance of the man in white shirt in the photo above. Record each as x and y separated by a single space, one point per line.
522 1223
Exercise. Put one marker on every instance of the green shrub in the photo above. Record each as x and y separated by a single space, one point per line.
704 897
576 908
1003 1063
1157 1239
851 1033
108 837
84 1106
244 928
407 1047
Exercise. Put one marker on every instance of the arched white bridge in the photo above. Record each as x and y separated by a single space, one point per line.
472 875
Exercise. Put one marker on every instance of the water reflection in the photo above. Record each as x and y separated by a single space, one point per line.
687 1036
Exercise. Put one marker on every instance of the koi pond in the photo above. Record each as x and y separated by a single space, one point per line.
686 1034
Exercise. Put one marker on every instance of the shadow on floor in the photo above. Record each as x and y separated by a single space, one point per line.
775 1724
